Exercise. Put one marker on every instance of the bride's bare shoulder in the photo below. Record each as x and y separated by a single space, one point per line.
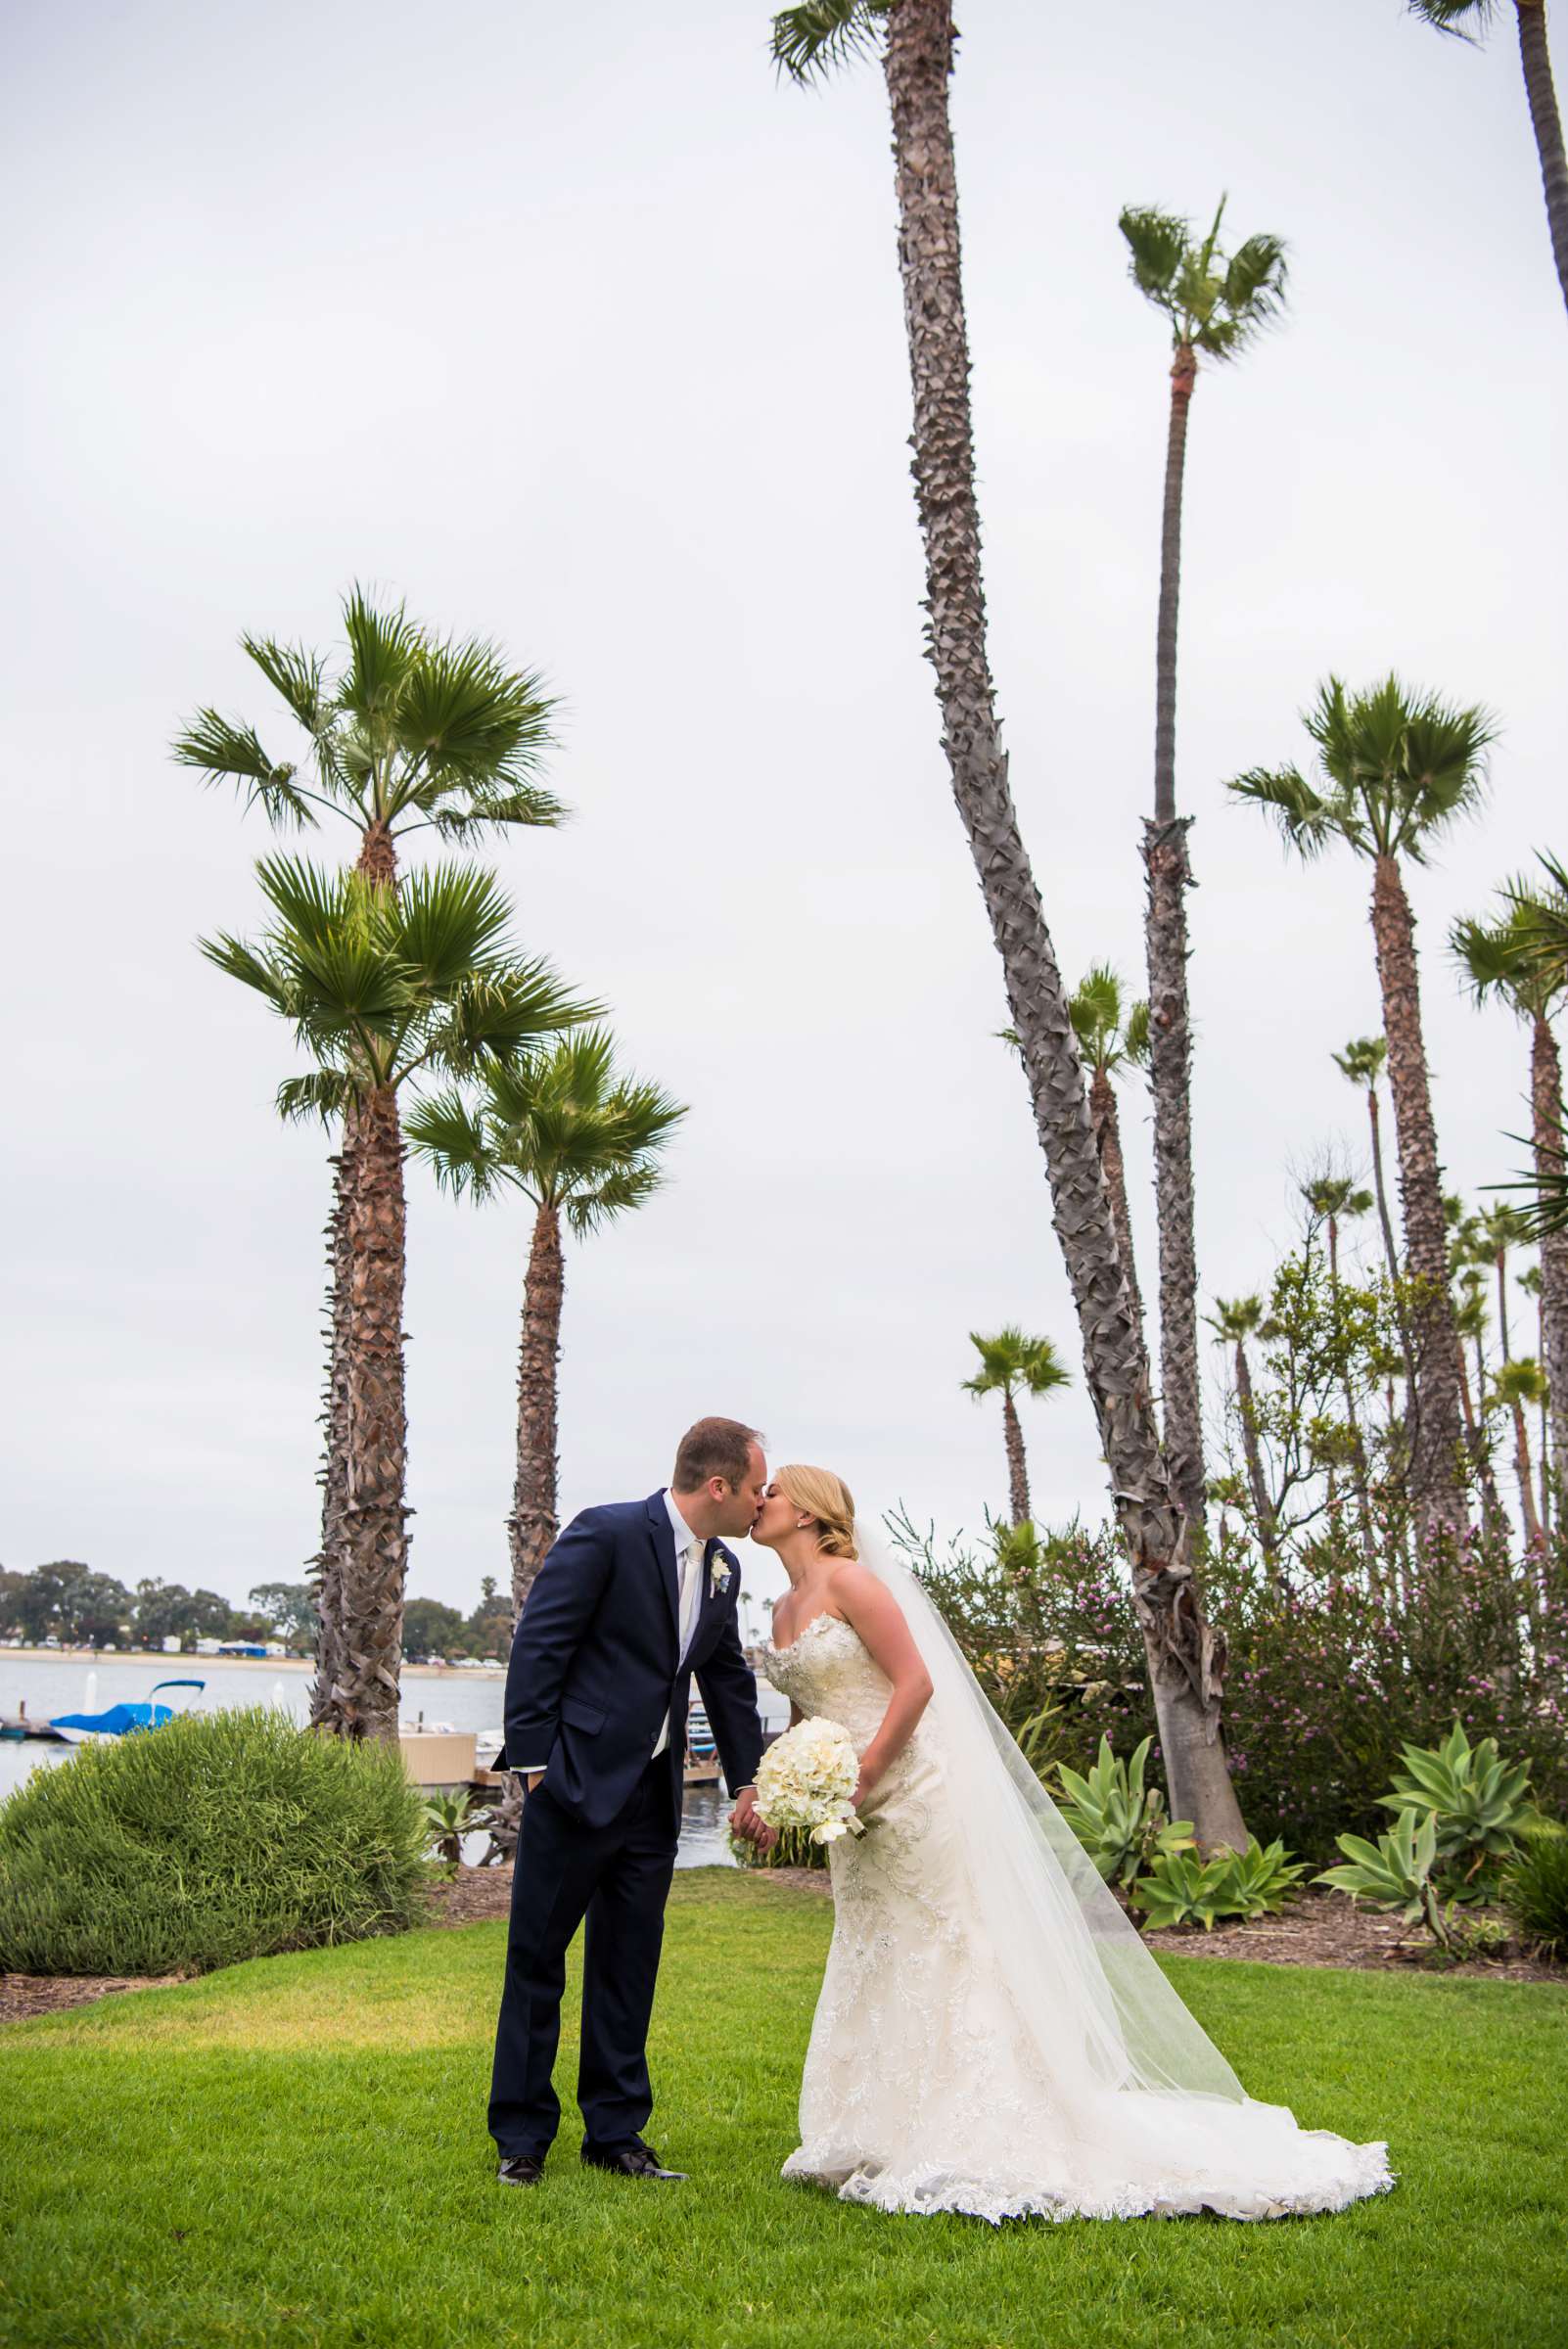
856 1592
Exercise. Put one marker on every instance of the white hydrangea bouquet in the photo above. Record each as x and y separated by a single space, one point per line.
805 1779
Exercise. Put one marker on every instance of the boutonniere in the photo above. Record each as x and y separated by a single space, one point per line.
720 1574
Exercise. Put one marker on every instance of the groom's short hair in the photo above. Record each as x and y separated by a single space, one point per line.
714 1448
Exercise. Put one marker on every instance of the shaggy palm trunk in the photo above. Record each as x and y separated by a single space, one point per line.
1541 92
373 1552
1187 1657
1545 1117
331 1694
1168 877
1017 1465
1108 1141
1263 1505
1437 1489
327 1565
532 1525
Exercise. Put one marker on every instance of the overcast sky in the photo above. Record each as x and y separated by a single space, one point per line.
576 329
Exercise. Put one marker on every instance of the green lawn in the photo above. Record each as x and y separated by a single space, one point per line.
294 2151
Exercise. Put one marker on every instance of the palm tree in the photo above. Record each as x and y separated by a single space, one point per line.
1533 1286
1471 1322
1332 1197
380 985
1186 1659
1363 1061
1396 771
412 731
1215 305
1234 1321
1011 1364
1540 91
1107 1044
580 1143
1498 958
1513 1385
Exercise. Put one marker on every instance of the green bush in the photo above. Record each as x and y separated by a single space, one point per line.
215 1838
1535 1893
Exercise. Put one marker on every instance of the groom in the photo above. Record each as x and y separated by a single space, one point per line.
634 1598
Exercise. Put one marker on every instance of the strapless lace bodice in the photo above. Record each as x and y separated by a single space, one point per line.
828 1671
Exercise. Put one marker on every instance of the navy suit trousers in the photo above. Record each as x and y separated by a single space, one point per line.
618 1879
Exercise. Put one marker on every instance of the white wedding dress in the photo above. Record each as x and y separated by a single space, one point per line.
991 2035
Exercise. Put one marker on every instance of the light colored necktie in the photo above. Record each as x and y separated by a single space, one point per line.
691 1585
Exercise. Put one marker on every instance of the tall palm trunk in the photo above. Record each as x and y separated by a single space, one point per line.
1500 1263
1262 1502
1545 1118
1437 1488
1017 1465
1107 1125
332 1699
1186 1658
1528 1511
327 1579
363 1703
1546 122
1491 1511
1168 876
1359 1471
532 1525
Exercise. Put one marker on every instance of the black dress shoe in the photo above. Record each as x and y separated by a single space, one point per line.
635 2160
520 2168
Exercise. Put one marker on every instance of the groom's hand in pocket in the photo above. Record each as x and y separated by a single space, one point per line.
536 1778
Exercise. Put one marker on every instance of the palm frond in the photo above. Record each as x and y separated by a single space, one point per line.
448 921
619 1193
506 1010
816 37
468 819
1448 16
237 960
225 752
1136 1042
383 647
323 1093
449 1137
1157 246
1307 820
471 721
296 675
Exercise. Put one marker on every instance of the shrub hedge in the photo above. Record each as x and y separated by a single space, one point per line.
217 1837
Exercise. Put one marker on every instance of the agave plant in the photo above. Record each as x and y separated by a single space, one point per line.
1395 1872
448 1816
1179 1891
1182 1888
1117 1820
1476 1804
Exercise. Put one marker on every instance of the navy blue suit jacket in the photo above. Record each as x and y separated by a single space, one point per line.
595 1664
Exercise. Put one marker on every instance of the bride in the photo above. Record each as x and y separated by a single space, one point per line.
992 2035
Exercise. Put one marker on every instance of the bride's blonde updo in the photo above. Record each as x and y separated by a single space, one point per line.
826 1498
